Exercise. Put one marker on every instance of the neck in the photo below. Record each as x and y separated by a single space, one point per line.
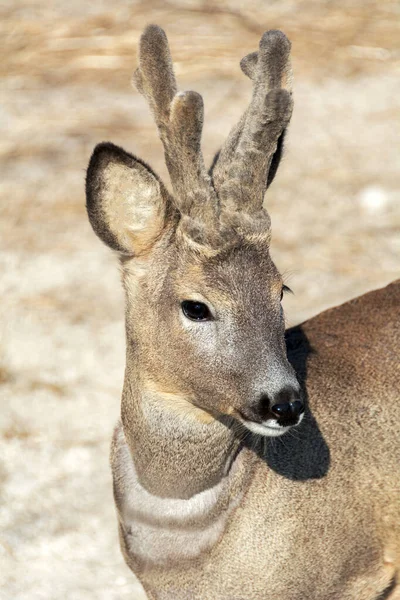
178 450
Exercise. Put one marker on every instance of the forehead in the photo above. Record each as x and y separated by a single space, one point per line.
238 273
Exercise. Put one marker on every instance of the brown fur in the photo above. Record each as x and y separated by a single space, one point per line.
207 508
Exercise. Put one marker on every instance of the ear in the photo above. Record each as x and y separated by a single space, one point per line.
126 202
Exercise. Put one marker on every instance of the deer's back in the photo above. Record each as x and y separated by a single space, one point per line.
349 362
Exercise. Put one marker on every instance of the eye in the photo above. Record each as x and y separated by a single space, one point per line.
195 311
285 290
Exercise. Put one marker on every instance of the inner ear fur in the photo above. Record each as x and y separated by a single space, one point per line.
127 204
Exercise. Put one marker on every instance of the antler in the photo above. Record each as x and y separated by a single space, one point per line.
179 117
248 160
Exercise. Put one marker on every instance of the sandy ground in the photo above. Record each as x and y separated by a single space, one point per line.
65 87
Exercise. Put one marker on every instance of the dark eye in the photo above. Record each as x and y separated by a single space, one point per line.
195 311
285 289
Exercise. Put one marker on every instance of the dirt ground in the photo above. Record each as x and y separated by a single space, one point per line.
334 205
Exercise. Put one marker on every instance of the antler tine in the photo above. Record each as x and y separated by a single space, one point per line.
245 165
179 117
154 78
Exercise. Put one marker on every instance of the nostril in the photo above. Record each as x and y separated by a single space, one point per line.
297 407
282 410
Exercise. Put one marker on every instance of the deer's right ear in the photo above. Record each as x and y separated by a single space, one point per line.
125 200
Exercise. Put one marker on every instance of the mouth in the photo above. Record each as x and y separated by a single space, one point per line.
270 427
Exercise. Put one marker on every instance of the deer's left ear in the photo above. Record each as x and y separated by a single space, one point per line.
126 202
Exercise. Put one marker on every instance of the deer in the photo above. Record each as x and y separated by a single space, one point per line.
250 462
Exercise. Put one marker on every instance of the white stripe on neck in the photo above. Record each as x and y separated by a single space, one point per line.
160 530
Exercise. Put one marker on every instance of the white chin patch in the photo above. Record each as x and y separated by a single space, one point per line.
269 428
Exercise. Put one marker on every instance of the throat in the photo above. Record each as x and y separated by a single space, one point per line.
178 450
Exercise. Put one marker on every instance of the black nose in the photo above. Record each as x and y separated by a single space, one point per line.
288 409
287 406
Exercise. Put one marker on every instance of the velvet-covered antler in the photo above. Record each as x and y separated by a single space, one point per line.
248 160
179 117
